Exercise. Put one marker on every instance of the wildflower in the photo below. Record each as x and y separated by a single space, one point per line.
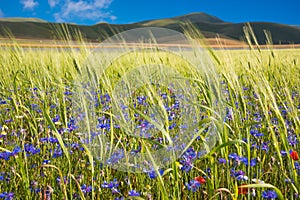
30 149
269 194
86 189
200 179
234 156
45 162
119 198
294 155
111 184
239 175
252 162
255 133
133 193
5 155
222 161
57 152
187 160
292 139
16 150
283 153
7 196
243 190
50 140
193 185
152 174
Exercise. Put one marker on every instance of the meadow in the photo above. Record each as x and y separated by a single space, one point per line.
255 156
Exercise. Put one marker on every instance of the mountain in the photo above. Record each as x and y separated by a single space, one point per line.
189 18
210 27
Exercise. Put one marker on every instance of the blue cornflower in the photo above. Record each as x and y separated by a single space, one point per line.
2 102
56 119
152 174
133 193
30 149
72 125
86 189
119 198
187 159
45 162
111 184
7 196
283 153
172 126
193 185
67 93
115 157
292 139
255 133
269 194
49 139
265 146
253 162
16 150
288 180
234 156
222 161
5 155
238 175
57 152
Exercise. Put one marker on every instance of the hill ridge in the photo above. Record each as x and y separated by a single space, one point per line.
209 25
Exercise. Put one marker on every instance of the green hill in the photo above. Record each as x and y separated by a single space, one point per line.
20 19
210 26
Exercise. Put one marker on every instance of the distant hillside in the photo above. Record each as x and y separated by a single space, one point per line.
20 19
210 26
189 18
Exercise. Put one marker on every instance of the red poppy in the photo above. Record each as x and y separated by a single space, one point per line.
294 155
243 190
200 179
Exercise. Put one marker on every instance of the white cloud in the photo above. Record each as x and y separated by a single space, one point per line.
53 3
29 4
92 10
1 13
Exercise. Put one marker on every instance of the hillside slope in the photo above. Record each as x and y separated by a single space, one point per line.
210 27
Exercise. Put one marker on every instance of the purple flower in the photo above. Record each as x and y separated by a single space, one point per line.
269 194
49 139
152 174
57 152
187 159
238 175
30 149
233 156
255 133
111 184
253 162
45 162
5 155
193 185
86 189
283 153
7 196
133 193
222 161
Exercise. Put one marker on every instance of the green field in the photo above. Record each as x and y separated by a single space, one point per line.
42 155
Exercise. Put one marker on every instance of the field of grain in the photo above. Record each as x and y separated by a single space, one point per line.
43 154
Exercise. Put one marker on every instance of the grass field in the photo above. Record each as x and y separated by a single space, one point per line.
42 155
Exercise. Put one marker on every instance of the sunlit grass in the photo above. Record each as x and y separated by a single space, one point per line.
261 95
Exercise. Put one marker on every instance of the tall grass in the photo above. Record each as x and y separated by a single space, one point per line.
262 103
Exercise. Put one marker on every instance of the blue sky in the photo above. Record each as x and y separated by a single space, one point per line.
128 11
